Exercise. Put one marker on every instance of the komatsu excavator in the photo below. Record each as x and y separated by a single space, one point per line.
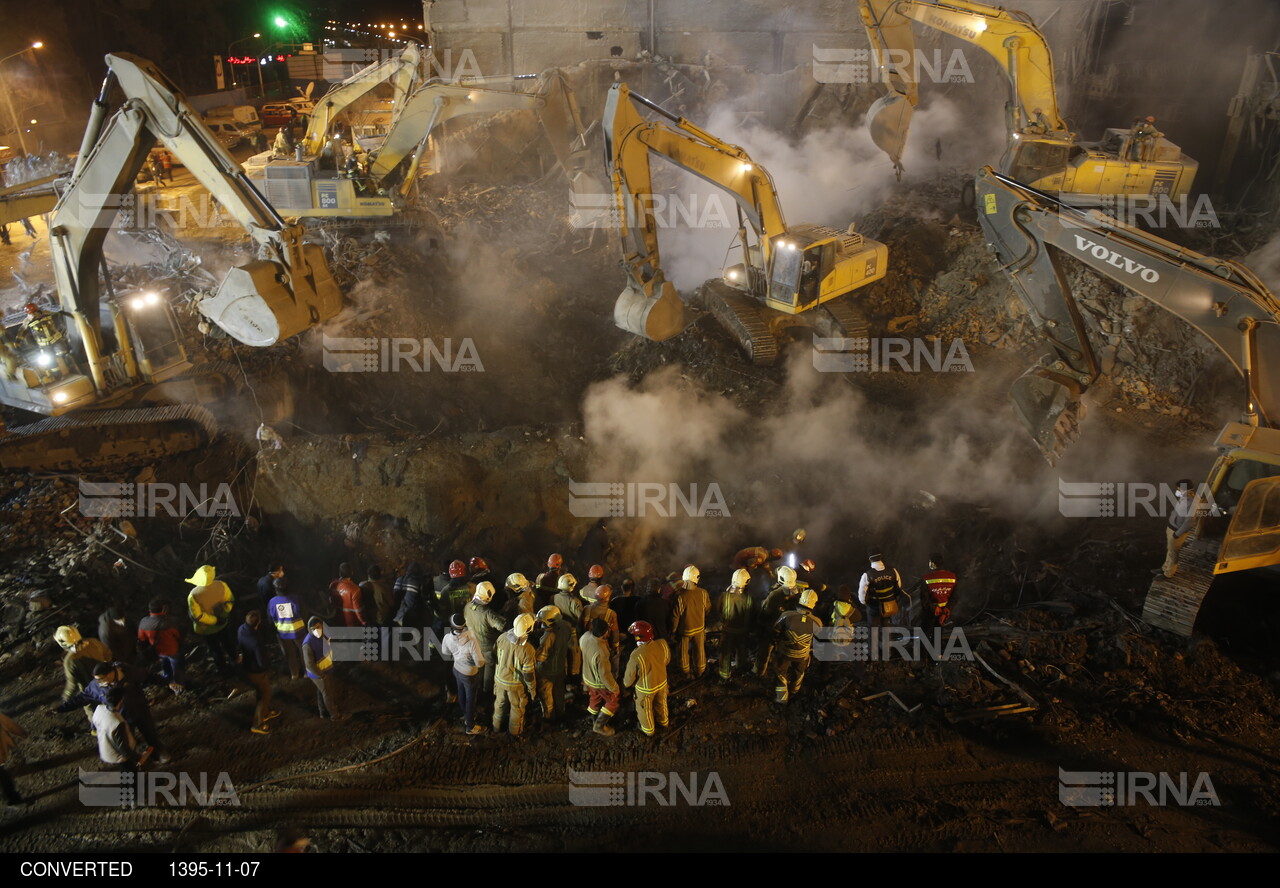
379 186
124 352
1041 151
401 72
1030 231
788 276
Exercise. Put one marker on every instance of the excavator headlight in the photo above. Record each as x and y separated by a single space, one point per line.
732 274
137 303
746 168
151 298
44 359
59 397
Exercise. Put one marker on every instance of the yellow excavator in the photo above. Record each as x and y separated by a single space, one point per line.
1042 152
790 275
97 366
379 185
1030 231
401 72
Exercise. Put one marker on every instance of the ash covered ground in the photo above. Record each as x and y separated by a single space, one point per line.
383 468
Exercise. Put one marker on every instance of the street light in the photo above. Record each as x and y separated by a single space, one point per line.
8 100
233 67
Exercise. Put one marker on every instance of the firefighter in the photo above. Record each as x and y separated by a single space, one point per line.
878 592
735 609
1143 139
793 635
689 622
570 607
83 655
600 610
515 682
939 585
348 600
290 629
647 672
782 598
456 593
597 676
480 571
553 661
317 657
545 584
44 329
595 579
209 605
844 616
520 598
485 625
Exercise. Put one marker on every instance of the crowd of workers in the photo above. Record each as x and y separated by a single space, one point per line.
520 648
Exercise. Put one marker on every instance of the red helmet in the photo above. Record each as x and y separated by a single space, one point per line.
32 308
555 561
641 630
596 572
457 569
808 564
775 554
477 564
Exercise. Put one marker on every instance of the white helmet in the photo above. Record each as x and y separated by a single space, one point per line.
484 592
68 637
787 576
691 575
741 577
567 582
809 599
523 625
517 581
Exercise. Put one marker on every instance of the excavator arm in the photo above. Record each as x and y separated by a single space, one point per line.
284 291
400 70
650 306
395 166
1030 231
1008 36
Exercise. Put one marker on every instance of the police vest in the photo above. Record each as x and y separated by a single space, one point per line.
882 585
284 614
322 651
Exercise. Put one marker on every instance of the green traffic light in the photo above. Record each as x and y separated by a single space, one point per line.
281 22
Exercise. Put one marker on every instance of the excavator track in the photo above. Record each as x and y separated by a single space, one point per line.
843 318
741 317
1173 602
92 440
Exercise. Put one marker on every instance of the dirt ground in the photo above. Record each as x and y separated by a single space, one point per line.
965 756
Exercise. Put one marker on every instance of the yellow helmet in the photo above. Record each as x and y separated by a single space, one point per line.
741 577
787 576
517 581
549 614
67 637
691 575
484 592
567 582
523 625
809 599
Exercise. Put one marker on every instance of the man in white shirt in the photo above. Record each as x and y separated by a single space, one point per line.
116 744
468 662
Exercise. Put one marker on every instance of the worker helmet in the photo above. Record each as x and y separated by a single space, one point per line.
787 576
741 577
68 637
478 564
1150 119
775 554
603 592
809 599
549 614
484 592
935 561
523 625
596 572
641 630
808 564
567 582
457 569
555 561
691 574
843 608
517 581
32 308
799 535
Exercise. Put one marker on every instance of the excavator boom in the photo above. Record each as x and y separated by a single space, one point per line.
401 71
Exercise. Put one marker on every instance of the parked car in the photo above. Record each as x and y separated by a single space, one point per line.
277 114
228 133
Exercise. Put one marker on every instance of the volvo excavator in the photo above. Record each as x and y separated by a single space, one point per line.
95 366
789 275
316 187
1042 151
1030 231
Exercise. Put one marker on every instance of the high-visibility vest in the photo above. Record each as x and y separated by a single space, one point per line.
322 650
882 585
285 615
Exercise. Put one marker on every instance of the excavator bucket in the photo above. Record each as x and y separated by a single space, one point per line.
657 318
1050 409
888 122
256 305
